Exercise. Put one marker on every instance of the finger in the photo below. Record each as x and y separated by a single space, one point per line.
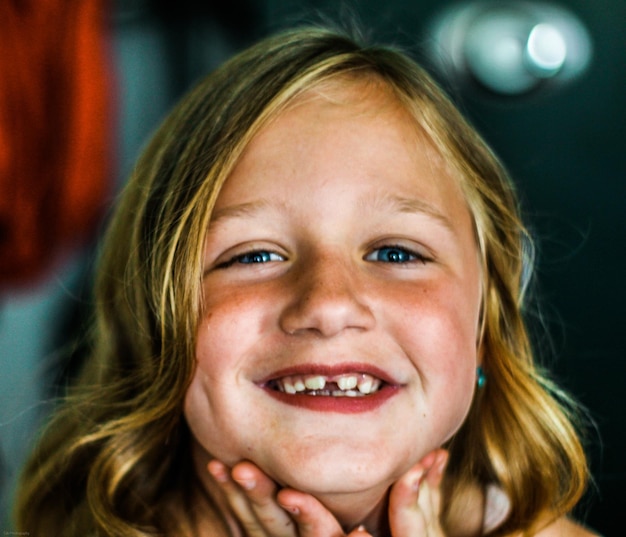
428 506
405 516
434 477
237 500
429 498
415 500
312 518
260 491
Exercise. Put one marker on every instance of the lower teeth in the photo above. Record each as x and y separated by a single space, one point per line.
335 393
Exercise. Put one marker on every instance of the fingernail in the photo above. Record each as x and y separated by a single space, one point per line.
441 462
218 471
247 484
293 509
417 480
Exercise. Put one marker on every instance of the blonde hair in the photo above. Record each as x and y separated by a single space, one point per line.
115 459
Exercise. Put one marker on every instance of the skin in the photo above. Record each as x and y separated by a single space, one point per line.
368 261
264 511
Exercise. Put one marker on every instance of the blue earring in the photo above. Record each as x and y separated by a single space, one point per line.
481 378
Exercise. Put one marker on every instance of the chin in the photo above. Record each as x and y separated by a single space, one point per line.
349 491
335 473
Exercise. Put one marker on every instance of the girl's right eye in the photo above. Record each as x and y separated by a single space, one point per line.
255 257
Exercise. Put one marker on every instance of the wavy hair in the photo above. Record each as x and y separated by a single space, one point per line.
115 459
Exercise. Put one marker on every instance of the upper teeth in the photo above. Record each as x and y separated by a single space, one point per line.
350 385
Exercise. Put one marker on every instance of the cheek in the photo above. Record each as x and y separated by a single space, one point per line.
212 405
231 324
196 408
225 338
216 365
228 336
438 325
437 330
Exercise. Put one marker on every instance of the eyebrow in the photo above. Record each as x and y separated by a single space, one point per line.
398 204
244 209
408 205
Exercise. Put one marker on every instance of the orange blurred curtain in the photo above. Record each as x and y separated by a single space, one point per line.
55 130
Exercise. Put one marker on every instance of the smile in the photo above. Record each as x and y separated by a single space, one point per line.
345 385
342 388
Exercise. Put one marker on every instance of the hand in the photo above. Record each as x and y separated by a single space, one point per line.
263 510
415 499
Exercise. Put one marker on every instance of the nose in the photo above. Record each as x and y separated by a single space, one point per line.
327 300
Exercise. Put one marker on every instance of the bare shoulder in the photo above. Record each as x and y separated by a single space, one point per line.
564 527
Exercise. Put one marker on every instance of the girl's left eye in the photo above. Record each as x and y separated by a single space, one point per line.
395 254
252 258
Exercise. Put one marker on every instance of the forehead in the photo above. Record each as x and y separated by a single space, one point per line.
351 113
359 97
342 149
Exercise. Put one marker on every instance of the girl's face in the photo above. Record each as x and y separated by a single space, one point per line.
341 298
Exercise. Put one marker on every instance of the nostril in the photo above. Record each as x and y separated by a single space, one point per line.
326 317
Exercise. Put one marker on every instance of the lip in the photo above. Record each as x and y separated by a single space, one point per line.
331 370
320 403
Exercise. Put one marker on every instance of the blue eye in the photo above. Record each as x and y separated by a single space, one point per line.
256 257
394 254
252 258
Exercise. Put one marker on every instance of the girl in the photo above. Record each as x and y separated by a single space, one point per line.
309 322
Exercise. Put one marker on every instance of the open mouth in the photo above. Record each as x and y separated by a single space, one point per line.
344 385
345 388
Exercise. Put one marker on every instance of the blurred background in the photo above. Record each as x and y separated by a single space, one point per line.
83 84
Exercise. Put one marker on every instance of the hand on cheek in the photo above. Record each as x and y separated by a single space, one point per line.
262 510
415 499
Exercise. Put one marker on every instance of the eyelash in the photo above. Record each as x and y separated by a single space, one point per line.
414 257
253 255
260 257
